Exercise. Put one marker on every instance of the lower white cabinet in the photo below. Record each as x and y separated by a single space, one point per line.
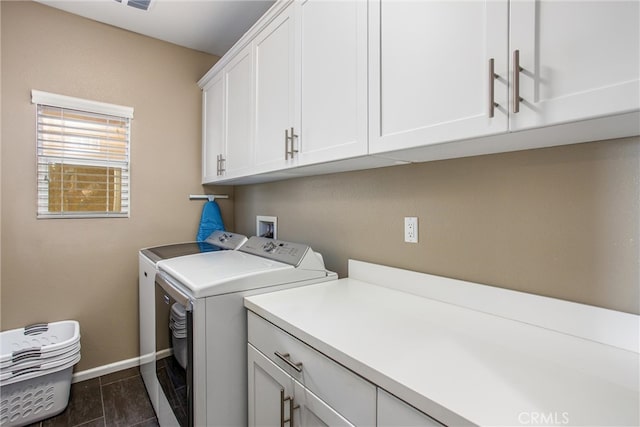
275 398
313 411
394 412
292 384
269 386
326 392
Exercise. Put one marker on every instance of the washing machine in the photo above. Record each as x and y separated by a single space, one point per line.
148 259
210 287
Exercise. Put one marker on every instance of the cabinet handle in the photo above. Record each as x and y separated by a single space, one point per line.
516 81
286 144
223 165
292 407
220 168
286 358
289 139
293 150
492 77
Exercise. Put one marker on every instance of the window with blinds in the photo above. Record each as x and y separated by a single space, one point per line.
83 157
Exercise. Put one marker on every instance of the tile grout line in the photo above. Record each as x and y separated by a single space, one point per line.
87 422
143 422
118 380
104 412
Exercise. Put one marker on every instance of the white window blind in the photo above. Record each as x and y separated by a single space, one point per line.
83 157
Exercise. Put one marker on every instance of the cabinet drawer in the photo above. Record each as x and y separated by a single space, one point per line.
350 395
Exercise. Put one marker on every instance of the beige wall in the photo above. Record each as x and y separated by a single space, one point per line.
87 269
561 222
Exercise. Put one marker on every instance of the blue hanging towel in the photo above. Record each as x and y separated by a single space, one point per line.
210 221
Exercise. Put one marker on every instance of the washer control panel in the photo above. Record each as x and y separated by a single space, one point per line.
277 250
226 240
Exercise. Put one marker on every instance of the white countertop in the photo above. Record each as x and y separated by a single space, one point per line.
459 365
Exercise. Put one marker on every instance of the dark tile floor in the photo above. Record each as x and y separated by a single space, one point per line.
173 380
118 399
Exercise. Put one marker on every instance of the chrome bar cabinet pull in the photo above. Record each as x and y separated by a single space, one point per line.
492 77
516 81
286 144
289 139
286 358
220 165
292 407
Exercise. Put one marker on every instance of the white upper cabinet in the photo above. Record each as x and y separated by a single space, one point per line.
331 80
311 85
238 115
431 82
429 71
227 106
320 86
578 59
274 92
213 145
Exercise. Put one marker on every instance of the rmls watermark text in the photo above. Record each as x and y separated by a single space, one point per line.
534 418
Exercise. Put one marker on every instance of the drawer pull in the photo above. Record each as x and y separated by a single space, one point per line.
286 359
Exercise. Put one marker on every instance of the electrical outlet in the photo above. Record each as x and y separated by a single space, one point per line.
411 229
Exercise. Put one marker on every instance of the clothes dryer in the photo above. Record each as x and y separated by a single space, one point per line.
212 390
148 259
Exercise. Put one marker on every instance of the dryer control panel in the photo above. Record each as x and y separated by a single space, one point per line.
277 250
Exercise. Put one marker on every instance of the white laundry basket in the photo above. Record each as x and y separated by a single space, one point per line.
35 371
35 341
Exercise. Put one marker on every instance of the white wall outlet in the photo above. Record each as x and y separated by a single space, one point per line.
411 229
267 226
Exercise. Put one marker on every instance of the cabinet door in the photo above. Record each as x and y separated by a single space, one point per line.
311 411
268 385
394 412
274 55
331 84
579 59
212 128
429 71
238 114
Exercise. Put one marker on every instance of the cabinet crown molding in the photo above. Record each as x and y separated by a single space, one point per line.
246 39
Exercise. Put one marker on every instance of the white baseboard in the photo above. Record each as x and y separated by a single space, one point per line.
105 369
112 367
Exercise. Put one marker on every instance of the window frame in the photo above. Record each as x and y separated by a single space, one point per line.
85 106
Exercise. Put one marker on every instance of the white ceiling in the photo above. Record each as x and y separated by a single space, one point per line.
211 26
